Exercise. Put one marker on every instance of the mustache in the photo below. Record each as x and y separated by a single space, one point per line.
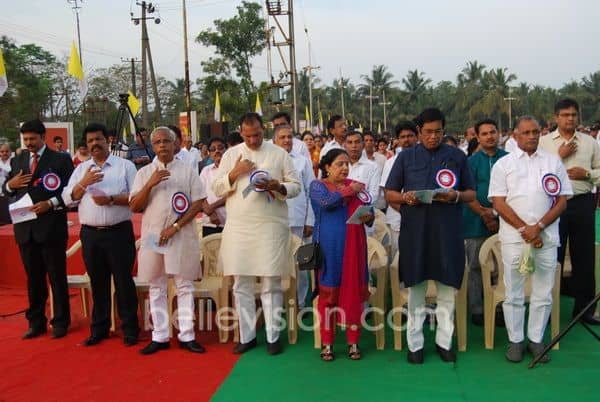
96 147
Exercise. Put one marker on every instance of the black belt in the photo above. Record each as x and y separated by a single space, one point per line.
112 227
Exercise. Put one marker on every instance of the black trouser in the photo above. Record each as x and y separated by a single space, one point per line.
208 230
40 259
106 252
578 224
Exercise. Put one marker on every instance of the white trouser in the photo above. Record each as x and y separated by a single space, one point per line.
444 314
302 279
540 301
160 310
271 297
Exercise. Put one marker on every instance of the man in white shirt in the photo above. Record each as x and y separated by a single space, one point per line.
181 153
529 189
369 150
361 168
337 127
406 132
299 147
100 186
580 155
213 207
4 162
300 211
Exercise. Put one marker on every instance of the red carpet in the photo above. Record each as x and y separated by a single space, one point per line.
63 370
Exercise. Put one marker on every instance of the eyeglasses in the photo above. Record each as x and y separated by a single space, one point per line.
217 148
163 141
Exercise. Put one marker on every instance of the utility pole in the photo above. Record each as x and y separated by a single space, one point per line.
147 8
188 97
384 104
289 76
342 92
309 69
371 97
132 60
510 99
76 7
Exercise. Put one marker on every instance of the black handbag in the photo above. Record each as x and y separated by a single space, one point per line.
309 257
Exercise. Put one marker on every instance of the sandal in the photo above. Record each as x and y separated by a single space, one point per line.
354 352
327 353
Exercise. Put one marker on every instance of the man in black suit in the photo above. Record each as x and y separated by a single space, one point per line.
42 173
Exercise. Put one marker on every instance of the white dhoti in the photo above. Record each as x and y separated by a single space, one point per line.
271 297
444 314
540 301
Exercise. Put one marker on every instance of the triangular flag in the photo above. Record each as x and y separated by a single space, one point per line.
307 118
217 115
75 69
257 107
378 128
134 103
3 80
360 128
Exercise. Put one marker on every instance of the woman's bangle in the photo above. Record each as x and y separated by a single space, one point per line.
176 226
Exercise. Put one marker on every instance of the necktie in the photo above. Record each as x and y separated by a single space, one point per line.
34 162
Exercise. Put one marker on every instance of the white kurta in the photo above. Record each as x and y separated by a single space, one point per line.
255 239
183 250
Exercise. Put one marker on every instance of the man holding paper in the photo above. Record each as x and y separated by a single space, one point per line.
431 239
101 186
40 174
257 178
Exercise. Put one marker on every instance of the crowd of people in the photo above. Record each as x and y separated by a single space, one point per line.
442 199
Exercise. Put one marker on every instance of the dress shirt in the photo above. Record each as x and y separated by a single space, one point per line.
4 170
207 176
188 157
518 177
299 147
40 152
368 173
328 147
392 217
118 179
300 211
510 145
586 156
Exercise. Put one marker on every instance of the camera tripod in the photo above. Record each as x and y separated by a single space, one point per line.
564 332
123 114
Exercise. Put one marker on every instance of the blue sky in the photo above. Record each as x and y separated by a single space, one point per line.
543 42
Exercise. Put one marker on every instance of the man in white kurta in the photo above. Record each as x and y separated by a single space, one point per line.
300 212
255 240
169 240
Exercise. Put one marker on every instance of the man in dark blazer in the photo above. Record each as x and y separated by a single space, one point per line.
42 173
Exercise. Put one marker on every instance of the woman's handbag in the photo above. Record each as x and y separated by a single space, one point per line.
309 257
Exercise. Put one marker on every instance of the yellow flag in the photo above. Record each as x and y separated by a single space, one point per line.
307 118
75 69
217 115
3 80
133 103
258 107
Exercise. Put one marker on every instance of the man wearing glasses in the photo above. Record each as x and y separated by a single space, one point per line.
580 154
213 220
431 233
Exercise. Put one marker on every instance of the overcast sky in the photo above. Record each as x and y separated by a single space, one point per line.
548 42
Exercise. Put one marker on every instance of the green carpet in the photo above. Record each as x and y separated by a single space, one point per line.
479 375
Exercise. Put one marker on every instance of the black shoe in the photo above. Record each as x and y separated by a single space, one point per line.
477 320
192 346
536 350
154 347
59 332
416 357
514 352
274 348
244 347
590 319
130 340
94 340
445 354
33 333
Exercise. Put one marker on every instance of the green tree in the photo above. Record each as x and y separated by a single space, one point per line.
237 40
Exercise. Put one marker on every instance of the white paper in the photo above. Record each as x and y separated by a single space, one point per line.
150 241
360 212
20 210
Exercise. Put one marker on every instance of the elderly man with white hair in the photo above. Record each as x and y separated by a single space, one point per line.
170 194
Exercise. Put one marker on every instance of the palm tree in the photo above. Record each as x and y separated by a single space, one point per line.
380 79
471 74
